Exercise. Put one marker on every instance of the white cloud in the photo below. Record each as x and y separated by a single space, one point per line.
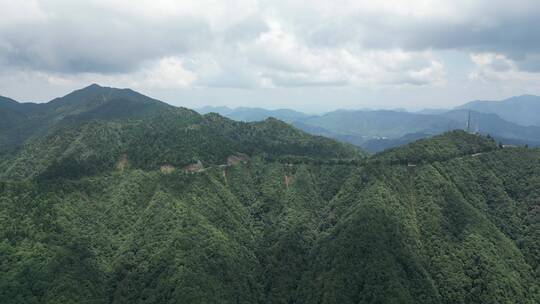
432 74
169 44
277 57
169 72
500 70
20 12
166 73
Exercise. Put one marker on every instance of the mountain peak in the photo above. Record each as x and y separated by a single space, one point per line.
96 91
97 102
93 86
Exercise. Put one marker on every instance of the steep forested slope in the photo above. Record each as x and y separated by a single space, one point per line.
462 230
116 210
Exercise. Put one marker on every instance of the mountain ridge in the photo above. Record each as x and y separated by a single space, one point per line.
91 129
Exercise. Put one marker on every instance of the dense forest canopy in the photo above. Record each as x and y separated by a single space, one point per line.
108 196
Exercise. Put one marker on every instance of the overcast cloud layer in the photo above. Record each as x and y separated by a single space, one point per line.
311 55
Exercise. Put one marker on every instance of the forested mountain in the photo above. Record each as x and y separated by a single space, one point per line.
92 129
92 102
157 204
523 110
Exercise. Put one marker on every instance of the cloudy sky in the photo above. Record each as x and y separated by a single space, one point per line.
308 55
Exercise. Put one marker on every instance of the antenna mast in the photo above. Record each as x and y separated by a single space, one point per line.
469 122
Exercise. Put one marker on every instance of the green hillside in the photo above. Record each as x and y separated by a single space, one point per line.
118 209
177 138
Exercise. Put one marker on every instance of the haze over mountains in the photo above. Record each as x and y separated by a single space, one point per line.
510 121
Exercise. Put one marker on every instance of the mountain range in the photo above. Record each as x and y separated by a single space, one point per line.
109 196
512 121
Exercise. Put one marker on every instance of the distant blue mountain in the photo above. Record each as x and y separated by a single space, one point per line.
513 121
212 109
523 110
